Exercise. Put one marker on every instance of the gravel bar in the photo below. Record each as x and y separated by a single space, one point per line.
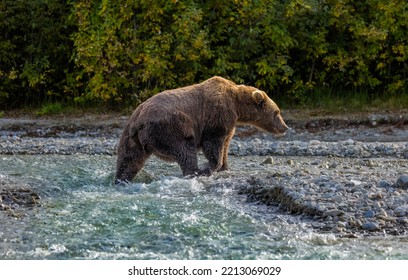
346 179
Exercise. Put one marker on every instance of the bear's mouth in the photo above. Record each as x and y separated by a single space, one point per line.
281 132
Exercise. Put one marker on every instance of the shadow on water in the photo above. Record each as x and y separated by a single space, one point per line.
83 216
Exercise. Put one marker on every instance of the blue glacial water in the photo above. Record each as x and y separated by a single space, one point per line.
83 216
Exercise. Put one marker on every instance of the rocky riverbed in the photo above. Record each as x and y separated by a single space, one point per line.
344 175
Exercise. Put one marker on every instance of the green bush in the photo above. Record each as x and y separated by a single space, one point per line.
35 50
288 48
121 52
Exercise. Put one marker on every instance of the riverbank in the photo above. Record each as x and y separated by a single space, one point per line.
338 174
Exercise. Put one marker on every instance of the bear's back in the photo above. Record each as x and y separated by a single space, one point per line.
192 98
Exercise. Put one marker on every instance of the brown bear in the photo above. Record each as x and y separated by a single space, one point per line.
175 124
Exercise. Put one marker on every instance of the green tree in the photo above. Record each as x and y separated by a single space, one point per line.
114 52
34 50
369 48
136 48
249 41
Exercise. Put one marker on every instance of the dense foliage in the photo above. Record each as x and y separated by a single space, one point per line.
126 50
35 50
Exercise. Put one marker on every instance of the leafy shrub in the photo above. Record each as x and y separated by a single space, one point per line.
116 52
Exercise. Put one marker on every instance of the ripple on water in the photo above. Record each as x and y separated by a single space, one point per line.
85 217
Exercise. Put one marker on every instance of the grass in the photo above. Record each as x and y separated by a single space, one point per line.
350 101
318 101
51 109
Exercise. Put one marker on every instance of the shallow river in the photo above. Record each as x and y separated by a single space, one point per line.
83 216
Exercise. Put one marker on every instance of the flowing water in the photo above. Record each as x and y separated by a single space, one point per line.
83 216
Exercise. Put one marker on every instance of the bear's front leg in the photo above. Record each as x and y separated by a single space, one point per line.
131 158
213 150
225 150
182 151
189 164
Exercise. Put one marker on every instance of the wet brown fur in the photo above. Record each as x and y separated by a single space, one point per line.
175 124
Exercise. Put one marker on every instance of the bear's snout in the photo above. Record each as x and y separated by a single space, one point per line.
280 125
285 128
282 130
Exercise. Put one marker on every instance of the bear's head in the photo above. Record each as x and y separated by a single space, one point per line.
262 111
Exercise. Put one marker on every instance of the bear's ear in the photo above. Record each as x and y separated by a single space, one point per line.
258 97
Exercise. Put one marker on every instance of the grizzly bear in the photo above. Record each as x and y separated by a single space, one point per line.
175 124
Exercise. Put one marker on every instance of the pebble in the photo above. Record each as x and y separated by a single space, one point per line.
384 184
369 214
375 196
265 147
332 165
334 212
370 226
356 182
349 142
401 211
402 182
268 160
314 142
63 146
341 224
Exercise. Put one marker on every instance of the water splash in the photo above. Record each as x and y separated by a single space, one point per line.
84 216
